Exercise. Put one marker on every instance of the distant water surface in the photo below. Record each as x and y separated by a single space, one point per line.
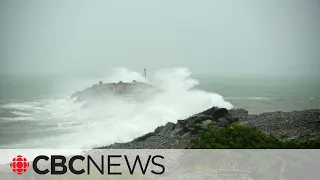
259 95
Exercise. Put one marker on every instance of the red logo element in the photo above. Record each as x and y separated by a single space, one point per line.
19 164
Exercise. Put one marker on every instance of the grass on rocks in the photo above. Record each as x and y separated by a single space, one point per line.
237 136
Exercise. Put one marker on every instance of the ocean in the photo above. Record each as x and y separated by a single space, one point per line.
38 112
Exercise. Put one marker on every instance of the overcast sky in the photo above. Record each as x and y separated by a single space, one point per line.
280 37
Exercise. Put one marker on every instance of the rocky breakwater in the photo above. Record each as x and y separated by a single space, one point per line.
284 125
179 135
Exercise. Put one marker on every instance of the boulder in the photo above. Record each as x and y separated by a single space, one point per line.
210 112
181 124
222 112
205 124
223 122
144 137
201 121
158 130
168 129
198 118
239 113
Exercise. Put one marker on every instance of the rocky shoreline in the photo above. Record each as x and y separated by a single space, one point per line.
284 125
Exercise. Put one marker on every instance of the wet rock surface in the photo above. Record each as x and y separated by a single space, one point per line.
284 125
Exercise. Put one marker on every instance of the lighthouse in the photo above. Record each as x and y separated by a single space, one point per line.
145 74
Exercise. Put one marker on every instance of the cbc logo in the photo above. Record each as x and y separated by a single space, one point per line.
19 164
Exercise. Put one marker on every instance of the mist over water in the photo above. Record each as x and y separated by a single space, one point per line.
62 123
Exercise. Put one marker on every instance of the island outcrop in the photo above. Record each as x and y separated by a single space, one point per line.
103 91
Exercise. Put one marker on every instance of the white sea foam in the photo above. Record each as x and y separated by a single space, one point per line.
61 123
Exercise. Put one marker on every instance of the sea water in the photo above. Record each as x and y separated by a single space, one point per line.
38 112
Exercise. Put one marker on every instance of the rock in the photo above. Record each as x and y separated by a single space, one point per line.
210 112
158 129
314 134
180 128
205 124
223 122
220 113
144 137
167 129
181 124
180 131
239 113
198 118
236 120
285 125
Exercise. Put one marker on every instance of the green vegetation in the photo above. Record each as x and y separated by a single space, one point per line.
237 136
240 147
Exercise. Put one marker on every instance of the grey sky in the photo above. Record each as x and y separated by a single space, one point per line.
210 37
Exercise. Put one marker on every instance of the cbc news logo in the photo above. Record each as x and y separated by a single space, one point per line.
60 164
19 164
